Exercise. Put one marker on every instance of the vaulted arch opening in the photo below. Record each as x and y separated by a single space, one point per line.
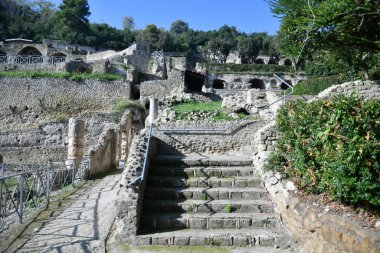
194 81
29 55
3 57
57 58
284 86
257 83
218 84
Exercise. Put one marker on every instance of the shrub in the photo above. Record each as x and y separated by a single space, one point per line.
314 86
331 146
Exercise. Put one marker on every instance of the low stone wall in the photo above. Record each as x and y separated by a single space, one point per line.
130 199
363 89
206 142
113 144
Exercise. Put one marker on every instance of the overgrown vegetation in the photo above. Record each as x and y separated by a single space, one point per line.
121 105
65 75
331 146
255 68
213 111
314 86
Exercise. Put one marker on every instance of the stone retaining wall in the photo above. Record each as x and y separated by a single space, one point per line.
363 89
34 96
206 142
130 199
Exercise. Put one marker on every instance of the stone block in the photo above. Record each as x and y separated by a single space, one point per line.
143 241
160 241
222 241
226 183
215 223
241 241
181 241
244 223
197 223
241 183
196 241
229 223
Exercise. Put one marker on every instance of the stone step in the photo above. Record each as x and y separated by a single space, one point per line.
219 193
175 221
203 171
218 237
208 206
203 182
175 160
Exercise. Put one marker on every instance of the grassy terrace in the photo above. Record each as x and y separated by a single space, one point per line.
65 75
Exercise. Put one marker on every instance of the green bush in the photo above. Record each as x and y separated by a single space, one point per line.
331 146
256 68
314 86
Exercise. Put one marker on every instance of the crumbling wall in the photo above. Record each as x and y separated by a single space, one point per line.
363 89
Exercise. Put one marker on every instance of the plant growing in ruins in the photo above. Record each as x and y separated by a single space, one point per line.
228 208
121 105
331 146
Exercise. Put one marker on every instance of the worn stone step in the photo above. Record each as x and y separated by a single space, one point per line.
218 237
208 206
203 182
175 160
203 171
175 221
219 193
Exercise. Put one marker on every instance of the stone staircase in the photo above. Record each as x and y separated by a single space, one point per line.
216 201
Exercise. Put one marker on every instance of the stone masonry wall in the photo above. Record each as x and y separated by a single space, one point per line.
206 142
363 89
130 199
37 93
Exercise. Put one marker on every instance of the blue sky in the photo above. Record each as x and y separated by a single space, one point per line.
247 15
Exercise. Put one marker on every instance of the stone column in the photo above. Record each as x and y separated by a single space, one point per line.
76 140
153 110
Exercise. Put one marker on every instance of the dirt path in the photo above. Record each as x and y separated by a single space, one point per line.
80 223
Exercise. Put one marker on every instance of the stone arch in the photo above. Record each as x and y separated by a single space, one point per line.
29 50
194 81
218 84
57 58
257 83
284 86
29 55
259 61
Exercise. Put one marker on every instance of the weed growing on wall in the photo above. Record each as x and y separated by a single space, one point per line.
331 146
314 86
121 105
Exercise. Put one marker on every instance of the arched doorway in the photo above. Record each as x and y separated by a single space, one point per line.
218 84
29 55
284 86
194 81
257 83
57 58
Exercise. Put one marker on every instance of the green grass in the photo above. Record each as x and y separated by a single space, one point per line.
187 107
65 75
121 105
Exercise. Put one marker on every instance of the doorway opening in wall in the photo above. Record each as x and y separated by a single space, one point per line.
242 111
136 92
218 84
284 86
194 81
257 83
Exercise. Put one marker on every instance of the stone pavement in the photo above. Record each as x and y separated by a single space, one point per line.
80 223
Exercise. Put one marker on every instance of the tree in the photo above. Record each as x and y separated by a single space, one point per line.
179 27
336 26
73 20
128 23
249 48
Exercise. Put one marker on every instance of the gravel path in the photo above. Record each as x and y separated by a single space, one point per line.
80 223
